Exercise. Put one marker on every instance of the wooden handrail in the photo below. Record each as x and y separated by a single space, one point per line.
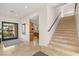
54 22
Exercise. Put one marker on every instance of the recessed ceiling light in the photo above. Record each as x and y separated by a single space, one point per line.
25 6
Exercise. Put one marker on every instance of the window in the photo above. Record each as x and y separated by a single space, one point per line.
9 31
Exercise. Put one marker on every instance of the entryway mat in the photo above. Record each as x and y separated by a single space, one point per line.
39 53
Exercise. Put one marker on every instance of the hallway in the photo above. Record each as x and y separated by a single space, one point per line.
64 40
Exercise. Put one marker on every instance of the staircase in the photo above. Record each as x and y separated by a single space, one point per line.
63 42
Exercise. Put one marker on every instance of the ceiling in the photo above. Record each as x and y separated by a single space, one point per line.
18 9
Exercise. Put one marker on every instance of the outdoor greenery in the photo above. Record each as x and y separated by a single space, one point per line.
0 33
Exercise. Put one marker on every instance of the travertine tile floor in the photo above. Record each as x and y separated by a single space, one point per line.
18 50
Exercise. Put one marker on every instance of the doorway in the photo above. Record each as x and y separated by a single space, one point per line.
34 31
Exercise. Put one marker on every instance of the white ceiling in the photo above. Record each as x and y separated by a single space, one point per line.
18 9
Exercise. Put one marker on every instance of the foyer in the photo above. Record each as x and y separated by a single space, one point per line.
39 29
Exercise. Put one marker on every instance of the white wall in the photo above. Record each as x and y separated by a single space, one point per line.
67 9
25 37
77 19
47 15
52 13
43 34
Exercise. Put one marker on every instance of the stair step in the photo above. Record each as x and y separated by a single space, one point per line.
64 46
64 41
68 22
63 36
64 50
66 25
72 41
53 52
66 37
64 33
56 34
64 29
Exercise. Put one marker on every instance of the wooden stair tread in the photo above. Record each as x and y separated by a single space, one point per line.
64 51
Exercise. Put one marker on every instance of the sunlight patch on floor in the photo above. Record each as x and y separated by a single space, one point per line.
9 48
